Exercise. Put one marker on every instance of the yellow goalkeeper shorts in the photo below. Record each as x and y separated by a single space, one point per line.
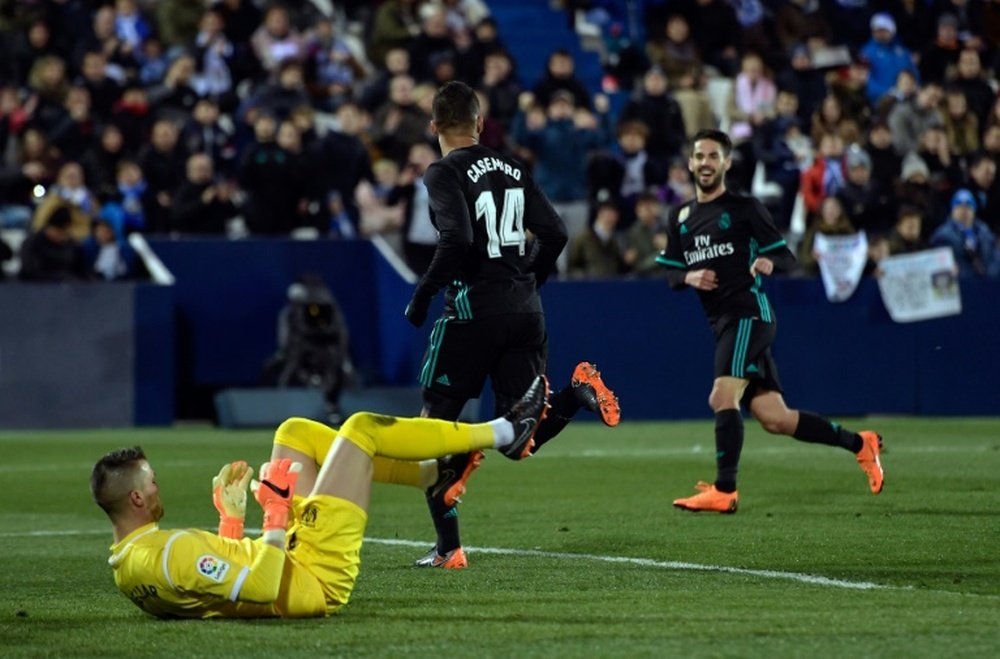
326 540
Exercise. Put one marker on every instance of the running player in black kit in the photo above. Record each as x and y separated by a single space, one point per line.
483 204
721 244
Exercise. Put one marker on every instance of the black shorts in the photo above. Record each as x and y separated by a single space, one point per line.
743 350
509 349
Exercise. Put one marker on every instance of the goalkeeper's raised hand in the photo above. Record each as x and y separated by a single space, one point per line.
274 493
229 494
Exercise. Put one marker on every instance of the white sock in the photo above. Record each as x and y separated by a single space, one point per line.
428 473
503 432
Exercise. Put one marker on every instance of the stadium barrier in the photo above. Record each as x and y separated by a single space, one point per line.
86 355
652 344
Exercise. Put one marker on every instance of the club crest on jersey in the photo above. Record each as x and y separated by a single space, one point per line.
213 567
724 221
683 215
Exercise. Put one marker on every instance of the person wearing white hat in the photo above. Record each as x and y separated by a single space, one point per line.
885 55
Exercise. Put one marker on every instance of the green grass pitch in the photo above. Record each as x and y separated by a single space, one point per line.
576 552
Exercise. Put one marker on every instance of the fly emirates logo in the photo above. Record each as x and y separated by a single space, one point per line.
705 250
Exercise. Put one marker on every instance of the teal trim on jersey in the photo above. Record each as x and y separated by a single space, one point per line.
739 364
762 303
773 246
430 363
462 306
670 263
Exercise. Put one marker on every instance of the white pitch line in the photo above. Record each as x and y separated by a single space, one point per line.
810 579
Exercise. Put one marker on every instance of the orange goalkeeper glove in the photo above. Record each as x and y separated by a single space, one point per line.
229 494
274 493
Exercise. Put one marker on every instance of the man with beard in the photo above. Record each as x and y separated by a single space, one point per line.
711 241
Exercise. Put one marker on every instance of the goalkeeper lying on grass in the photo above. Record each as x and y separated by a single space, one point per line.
300 569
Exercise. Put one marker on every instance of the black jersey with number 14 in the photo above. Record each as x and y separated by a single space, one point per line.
483 205
725 235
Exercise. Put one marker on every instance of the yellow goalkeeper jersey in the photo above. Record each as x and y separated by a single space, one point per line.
190 573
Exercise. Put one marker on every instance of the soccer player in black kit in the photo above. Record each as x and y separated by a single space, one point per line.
483 204
721 244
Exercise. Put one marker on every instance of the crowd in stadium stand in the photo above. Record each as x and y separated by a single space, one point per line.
310 118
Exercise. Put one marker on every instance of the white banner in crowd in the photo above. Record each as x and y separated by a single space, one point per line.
921 285
841 262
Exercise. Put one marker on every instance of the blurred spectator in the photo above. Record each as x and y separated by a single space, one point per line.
27 48
131 115
960 125
162 163
485 42
153 63
646 238
51 253
215 59
907 234
678 188
375 91
108 256
500 86
660 112
941 53
432 43
696 109
798 21
33 148
399 123
279 98
751 104
830 118
560 139
201 204
970 79
206 132
276 41
865 201
909 119
128 210
778 144
175 97
807 82
984 186
714 29
76 132
914 189
69 192
131 26
885 55
946 170
100 161
270 179
849 85
886 162
595 252
104 90
831 220
394 25
493 134
914 22
332 69
560 76
377 214
826 175
675 52
48 83
177 22
340 160
241 18
974 245
419 234
621 176
103 37
17 184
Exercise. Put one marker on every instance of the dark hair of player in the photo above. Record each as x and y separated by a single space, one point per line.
716 136
455 106
105 480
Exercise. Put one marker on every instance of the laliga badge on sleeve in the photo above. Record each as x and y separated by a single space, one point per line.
213 567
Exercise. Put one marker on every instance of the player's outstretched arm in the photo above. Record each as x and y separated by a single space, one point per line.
229 494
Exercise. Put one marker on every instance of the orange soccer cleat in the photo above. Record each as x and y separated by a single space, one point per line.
709 498
868 459
593 394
